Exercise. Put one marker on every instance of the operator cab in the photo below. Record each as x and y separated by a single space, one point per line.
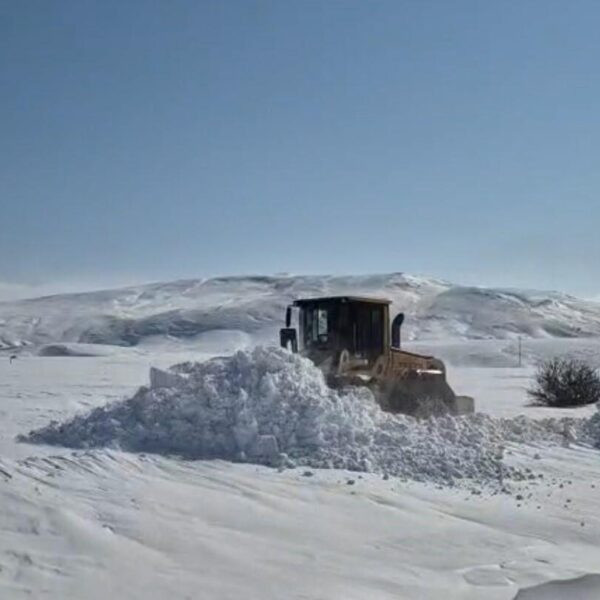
329 326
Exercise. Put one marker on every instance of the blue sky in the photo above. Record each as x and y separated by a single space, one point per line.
155 140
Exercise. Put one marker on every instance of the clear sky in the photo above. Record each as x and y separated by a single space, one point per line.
145 140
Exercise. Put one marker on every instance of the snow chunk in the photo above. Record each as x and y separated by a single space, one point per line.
164 379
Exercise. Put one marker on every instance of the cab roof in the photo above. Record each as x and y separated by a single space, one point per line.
341 300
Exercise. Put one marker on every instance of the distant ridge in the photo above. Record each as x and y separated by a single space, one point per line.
254 305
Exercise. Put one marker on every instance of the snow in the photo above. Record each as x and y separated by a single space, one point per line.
99 522
581 588
75 350
185 311
271 407
105 521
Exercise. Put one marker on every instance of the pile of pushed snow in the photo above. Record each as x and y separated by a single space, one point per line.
272 407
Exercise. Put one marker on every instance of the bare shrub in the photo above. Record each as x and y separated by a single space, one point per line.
564 383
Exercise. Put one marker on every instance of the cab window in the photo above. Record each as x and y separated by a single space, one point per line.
316 325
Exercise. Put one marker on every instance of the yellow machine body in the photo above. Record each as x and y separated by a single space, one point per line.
350 338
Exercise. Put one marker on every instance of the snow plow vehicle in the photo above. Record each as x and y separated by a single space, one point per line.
350 339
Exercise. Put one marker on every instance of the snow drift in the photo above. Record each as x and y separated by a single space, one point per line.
73 350
272 407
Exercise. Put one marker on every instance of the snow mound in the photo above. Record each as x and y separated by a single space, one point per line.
271 407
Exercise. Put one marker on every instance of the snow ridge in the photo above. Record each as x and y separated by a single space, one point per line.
184 310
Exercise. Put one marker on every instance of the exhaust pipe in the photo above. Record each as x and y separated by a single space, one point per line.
396 324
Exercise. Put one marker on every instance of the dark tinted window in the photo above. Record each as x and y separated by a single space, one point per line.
316 325
368 330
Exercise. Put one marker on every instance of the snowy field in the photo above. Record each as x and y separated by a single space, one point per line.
106 523
102 522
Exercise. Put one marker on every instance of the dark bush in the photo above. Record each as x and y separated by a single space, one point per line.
565 382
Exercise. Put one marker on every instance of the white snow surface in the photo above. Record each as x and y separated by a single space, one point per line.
273 407
102 522
580 588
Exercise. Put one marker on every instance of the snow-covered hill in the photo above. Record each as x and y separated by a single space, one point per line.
254 306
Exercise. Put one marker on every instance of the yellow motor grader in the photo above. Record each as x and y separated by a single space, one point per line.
348 338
